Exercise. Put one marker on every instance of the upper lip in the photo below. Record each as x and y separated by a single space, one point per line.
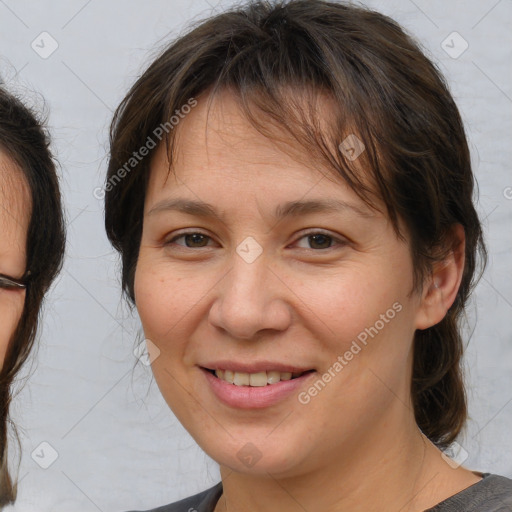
254 367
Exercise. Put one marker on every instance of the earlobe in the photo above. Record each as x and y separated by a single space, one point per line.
441 287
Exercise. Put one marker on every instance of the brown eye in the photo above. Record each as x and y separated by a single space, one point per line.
192 239
318 240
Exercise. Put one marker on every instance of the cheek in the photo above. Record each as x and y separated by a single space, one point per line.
155 303
165 304
166 309
365 322
345 304
11 309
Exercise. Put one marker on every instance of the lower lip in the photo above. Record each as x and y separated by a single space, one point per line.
254 397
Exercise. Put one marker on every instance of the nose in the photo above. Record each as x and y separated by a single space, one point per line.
251 299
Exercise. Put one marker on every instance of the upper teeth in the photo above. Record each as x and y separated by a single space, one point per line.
254 379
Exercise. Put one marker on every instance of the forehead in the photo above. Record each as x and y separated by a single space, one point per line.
14 202
219 155
216 135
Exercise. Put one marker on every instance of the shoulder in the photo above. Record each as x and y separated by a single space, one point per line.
491 494
202 502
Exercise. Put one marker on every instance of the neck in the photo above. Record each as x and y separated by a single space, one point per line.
397 470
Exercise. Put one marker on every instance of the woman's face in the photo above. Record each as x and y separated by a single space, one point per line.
14 220
267 287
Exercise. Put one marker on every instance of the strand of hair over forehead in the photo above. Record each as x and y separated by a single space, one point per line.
279 65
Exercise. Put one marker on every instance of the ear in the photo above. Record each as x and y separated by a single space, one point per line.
442 285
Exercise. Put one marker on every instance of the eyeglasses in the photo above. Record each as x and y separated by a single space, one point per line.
11 283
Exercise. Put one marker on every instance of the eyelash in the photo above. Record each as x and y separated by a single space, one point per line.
304 235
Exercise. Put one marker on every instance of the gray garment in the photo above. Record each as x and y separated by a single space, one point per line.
491 494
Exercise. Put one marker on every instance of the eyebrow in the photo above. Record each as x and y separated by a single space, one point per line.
288 209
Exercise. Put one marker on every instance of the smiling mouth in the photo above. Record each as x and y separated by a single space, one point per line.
258 379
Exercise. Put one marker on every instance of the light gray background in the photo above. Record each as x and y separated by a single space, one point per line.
118 445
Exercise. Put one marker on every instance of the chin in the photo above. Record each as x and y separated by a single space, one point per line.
256 458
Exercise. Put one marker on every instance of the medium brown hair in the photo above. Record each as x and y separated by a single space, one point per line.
384 90
24 140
